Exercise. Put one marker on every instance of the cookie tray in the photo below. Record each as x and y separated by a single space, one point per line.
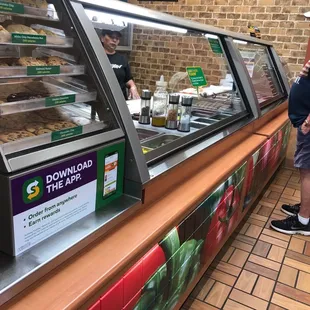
16 9
47 138
65 91
37 71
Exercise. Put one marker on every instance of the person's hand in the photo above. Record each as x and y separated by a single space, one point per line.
305 127
133 93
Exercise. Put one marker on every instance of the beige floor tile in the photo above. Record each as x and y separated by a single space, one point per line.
218 295
297 245
303 282
232 305
297 265
264 262
254 231
288 303
248 300
288 275
246 281
264 288
239 258
276 253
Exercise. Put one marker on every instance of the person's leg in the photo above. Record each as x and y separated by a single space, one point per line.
304 212
299 224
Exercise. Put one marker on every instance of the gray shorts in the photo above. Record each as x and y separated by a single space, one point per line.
302 154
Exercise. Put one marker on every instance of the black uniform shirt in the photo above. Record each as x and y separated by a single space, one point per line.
122 71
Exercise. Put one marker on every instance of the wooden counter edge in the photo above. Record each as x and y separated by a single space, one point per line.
269 129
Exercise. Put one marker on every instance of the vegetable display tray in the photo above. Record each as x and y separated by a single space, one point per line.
17 9
34 129
46 93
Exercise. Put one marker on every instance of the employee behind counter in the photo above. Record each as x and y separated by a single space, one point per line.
110 40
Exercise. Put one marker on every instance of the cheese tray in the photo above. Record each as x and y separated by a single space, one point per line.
24 95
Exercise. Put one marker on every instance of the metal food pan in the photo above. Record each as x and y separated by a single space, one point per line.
160 141
208 121
145 133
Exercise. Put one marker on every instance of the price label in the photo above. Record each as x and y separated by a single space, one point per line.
21 38
12 7
53 101
66 133
43 70
196 76
215 46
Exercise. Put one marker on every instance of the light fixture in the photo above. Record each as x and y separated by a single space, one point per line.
116 19
240 42
307 14
211 36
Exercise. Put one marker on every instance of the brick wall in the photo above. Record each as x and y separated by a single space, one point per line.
280 21
158 52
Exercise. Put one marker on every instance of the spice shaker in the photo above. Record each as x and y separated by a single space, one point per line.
144 117
160 103
172 112
186 113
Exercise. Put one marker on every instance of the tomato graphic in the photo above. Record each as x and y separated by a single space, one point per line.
265 153
224 219
249 180
277 150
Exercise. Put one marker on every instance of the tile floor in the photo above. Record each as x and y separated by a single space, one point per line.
259 268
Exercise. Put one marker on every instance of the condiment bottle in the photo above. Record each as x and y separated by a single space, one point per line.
172 112
144 117
186 113
160 103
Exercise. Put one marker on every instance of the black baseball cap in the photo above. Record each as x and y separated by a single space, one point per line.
111 33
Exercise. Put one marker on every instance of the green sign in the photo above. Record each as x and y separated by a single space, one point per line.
215 46
52 101
21 38
11 7
196 76
32 190
43 70
66 133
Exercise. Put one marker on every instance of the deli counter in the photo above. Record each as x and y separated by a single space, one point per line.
85 173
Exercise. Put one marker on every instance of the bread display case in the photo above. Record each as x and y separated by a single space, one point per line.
75 160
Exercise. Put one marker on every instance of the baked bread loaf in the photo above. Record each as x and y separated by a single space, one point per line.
29 61
18 28
56 61
4 35
41 4
46 32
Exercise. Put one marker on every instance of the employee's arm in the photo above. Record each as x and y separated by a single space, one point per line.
133 92
130 84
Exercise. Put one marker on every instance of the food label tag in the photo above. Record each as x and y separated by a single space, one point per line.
196 76
66 133
43 70
12 7
53 101
215 46
20 38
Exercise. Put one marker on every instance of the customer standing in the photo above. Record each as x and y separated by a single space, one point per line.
110 40
299 114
